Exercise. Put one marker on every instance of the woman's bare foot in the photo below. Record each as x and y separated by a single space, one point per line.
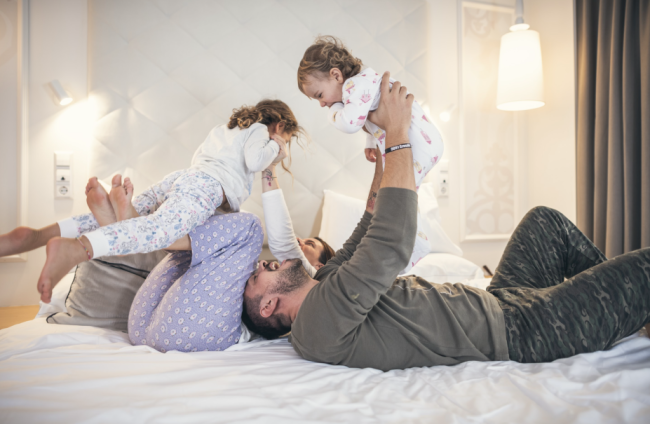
24 239
62 255
121 196
99 203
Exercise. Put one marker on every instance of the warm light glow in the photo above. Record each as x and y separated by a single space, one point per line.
61 94
445 115
519 27
521 82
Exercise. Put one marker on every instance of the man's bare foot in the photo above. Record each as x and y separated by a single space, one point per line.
62 255
121 196
24 239
99 203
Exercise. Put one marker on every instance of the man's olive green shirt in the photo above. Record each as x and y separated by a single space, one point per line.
361 314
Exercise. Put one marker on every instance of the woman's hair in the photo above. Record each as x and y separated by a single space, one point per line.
268 112
328 252
326 53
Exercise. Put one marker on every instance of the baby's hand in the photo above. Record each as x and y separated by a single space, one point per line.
371 155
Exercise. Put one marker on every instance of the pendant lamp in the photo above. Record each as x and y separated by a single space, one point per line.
520 80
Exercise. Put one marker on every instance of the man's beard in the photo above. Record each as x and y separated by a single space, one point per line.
291 279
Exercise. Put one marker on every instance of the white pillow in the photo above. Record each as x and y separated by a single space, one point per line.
341 214
431 222
445 268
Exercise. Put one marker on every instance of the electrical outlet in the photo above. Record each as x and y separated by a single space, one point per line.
63 175
443 185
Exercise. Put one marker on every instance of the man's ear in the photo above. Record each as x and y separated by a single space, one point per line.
319 265
337 75
267 307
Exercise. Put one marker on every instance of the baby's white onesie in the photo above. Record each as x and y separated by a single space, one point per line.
361 95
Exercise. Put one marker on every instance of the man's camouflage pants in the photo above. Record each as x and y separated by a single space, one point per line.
561 296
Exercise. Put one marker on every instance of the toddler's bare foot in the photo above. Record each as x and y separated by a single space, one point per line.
99 203
24 239
62 255
121 195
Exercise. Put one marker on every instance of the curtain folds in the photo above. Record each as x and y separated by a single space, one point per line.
613 123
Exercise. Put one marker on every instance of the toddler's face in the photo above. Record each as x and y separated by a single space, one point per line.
327 90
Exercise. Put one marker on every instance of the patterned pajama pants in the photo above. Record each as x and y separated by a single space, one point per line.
169 210
192 301
559 294
427 147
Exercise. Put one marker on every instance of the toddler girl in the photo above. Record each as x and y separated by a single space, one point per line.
331 75
224 165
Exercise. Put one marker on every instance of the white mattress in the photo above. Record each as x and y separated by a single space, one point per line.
56 373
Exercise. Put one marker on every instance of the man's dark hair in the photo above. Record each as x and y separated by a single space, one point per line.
275 326
327 253
270 328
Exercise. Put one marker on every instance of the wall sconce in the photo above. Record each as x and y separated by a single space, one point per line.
61 94
521 83
445 115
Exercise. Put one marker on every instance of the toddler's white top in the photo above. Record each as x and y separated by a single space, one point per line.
233 156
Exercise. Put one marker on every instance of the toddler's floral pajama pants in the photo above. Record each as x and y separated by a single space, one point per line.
169 210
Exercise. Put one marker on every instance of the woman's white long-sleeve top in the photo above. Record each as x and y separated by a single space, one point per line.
233 156
282 240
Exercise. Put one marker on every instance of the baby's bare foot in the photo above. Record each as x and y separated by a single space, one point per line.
62 255
99 203
121 195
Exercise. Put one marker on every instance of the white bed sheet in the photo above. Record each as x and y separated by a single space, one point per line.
57 373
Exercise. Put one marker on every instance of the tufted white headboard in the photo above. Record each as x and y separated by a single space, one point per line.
163 73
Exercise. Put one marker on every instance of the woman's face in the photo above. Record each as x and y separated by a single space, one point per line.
312 249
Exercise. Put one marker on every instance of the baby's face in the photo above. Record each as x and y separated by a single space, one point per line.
327 89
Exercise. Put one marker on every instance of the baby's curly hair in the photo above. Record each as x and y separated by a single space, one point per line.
326 53
268 112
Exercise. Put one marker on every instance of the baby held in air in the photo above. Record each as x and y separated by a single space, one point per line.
330 74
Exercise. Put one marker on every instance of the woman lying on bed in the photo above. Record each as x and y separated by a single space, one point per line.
193 300
213 275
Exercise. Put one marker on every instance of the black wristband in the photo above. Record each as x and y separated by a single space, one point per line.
398 147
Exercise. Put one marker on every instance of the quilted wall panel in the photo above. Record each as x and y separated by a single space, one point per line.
164 72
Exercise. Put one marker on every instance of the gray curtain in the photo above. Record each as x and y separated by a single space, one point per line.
613 123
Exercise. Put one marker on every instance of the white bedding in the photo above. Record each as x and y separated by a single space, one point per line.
57 373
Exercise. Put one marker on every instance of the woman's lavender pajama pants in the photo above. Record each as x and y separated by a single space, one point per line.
192 301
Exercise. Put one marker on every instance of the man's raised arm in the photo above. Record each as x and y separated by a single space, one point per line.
394 115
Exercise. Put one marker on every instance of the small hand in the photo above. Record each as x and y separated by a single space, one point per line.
371 155
283 149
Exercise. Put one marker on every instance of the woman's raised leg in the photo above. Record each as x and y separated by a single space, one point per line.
193 300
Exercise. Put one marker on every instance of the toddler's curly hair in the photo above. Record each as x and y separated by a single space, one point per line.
326 53
268 112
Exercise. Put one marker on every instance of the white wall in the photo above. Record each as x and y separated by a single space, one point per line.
57 50
547 143
551 128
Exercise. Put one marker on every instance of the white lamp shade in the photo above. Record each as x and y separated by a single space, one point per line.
521 83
